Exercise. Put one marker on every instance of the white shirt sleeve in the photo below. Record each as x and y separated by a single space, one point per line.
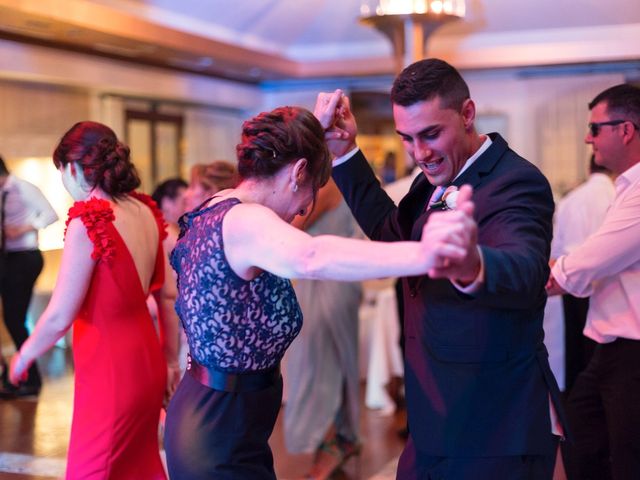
42 213
609 251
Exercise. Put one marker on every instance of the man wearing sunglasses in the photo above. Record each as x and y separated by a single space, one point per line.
604 405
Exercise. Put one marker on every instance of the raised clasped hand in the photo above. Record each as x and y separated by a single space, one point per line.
451 237
333 111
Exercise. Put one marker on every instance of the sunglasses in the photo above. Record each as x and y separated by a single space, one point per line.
594 127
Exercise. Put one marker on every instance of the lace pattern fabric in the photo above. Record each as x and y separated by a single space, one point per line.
232 324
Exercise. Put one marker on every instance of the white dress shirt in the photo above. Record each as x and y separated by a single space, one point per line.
25 205
581 212
606 267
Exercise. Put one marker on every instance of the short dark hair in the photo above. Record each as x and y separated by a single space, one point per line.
4 171
428 79
168 189
622 100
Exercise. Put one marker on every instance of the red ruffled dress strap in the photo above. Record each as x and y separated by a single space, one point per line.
151 203
96 214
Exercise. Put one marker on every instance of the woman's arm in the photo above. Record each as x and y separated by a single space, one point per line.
168 321
71 287
255 237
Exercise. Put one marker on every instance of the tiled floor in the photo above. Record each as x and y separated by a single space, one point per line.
34 435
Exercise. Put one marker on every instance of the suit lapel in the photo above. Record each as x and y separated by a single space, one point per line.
485 164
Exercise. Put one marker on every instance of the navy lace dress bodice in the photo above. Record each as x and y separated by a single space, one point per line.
231 324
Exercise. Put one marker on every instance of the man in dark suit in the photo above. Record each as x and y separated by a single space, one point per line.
478 382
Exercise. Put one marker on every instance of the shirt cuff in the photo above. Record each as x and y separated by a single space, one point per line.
562 279
474 286
347 156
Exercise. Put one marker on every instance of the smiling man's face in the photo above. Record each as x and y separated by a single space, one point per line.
436 138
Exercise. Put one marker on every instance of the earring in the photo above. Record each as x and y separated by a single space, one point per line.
295 187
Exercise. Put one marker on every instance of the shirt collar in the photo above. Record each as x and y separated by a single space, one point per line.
628 177
483 148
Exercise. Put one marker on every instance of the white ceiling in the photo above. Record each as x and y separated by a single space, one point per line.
308 29
257 40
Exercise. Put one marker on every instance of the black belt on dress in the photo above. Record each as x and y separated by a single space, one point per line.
232 382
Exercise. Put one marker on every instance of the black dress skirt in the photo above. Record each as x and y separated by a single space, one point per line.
212 434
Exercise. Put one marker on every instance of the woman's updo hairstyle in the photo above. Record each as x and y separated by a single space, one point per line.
104 160
272 140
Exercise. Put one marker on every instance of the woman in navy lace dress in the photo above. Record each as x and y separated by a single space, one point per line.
234 257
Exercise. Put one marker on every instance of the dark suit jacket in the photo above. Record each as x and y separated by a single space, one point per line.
477 375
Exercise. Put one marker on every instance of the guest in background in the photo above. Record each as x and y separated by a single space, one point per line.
388 173
171 196
604 405
322 379
233 258
112 259
25 210
208 179
400 187
578 215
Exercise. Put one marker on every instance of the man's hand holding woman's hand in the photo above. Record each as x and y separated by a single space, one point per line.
451 237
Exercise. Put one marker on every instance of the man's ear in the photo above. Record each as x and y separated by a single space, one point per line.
629 130
468 113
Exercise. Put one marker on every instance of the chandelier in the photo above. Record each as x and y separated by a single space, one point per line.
408 23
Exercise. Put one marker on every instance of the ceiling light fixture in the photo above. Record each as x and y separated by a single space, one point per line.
408 23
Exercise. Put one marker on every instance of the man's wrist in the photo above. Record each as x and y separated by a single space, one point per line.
473 282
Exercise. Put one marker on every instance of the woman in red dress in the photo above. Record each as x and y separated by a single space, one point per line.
112 259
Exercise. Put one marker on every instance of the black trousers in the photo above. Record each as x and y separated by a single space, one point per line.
604 415
578 348
21 270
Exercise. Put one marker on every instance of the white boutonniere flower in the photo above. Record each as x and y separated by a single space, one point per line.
448 200
450 197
